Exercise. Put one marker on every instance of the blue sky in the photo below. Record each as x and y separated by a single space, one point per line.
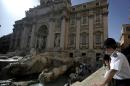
119 10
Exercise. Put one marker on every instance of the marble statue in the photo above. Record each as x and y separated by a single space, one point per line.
57 41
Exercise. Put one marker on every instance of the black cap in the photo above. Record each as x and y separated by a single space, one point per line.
110 43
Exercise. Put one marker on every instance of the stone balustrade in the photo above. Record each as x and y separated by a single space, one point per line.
96 77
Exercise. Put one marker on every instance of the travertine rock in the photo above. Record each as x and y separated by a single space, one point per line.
36 64
53 74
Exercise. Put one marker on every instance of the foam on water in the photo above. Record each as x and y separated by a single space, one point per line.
38 84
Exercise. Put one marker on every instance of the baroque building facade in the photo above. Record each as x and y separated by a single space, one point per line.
56 25
125 36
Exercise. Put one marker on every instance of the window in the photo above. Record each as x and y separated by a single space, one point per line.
128 36
87 39
98 21
98 18
73 9
97 3
72 21
84 39
72 29
84 20
83 54
71 55
84 6
98 38
72 40
127 28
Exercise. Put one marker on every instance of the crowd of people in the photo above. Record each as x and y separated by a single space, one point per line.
78 73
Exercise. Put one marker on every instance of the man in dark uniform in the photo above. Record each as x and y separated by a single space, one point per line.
119 66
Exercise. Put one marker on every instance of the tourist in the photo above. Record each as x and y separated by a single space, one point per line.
119 66
106 62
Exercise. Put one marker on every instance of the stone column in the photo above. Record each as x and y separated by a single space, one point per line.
24 37
91 37
50 39
33 36
66 34
63 27
15 39
78 33
11 42
105 25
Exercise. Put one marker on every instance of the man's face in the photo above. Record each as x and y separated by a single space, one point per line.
108 51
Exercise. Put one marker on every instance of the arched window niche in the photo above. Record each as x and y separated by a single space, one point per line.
42 35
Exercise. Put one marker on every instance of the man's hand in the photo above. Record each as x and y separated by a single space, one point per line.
99 84
108 78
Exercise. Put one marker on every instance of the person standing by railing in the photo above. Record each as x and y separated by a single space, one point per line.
119 66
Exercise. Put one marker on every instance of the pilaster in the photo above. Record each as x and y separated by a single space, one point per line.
24 37
63 27
91 23
50 43
105 25
33 36
78 33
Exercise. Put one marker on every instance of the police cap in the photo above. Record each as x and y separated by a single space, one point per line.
110 43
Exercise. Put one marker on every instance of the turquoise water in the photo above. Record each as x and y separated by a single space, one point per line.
61 81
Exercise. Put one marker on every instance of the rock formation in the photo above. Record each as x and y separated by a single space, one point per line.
49 66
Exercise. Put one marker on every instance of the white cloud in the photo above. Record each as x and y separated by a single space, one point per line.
12 10
18 7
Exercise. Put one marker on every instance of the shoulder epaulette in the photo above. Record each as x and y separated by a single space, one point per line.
115 54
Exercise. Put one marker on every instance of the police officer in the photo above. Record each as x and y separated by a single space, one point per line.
119 66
